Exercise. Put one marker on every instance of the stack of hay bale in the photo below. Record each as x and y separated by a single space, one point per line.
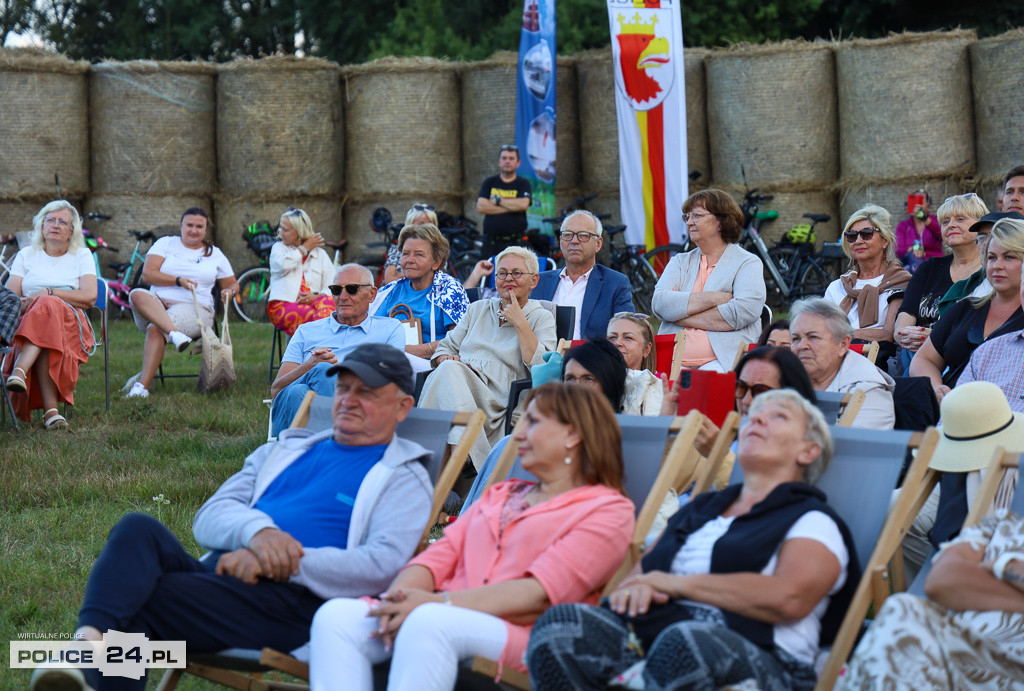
998 85
45 131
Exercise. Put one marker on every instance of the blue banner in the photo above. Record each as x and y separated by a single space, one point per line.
535 107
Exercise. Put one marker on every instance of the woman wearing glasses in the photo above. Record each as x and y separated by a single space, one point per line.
872 291
493 345
175 268
55 278
972 321
300 273
424 291
931 280
715 292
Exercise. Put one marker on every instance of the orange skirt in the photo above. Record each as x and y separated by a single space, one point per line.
288 316
50 323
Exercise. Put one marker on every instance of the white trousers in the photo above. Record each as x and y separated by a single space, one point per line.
428 648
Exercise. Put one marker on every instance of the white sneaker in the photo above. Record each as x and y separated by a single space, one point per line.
138 391
58 679
179 340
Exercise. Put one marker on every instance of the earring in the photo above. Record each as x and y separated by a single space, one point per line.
568 460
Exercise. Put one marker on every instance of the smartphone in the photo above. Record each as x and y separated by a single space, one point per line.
712 393
914 201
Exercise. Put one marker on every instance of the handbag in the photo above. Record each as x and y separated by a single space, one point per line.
217 371
413 326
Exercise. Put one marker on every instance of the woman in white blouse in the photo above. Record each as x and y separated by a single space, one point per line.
300 274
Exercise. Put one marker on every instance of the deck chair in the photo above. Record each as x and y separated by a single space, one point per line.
429 428
859 484
868 350
840 408
719 451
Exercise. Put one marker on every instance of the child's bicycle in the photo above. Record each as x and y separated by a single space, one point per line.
254 283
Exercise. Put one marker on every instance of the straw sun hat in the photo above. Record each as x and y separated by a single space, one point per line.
975 420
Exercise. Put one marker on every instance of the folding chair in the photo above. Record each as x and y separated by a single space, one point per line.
276 352
719 451
5 395
102 295
840 408
430 429
859 483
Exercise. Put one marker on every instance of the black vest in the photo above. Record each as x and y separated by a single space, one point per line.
749 544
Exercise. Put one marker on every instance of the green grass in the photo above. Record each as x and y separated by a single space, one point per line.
60 492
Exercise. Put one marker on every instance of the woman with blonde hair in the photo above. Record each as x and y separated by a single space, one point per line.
300 274
871 292
632 334
972 321
521 548
56 280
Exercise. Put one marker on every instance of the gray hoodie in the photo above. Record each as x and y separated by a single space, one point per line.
388 518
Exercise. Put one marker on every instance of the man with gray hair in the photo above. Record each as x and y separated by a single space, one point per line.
320 344
821 335
596 292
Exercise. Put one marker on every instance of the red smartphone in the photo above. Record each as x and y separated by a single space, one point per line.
914 201
712 393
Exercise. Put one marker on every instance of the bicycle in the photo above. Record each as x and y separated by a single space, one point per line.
660 256
380 222
630 260
254 283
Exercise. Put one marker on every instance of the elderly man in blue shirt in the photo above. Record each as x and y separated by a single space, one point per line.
318 345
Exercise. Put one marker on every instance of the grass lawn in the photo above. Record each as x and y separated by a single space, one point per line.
60 492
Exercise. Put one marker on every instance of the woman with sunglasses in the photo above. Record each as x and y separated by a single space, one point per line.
424 291
872 291
972 321
931 280
497 342
418 214
715 292
300 273
175 268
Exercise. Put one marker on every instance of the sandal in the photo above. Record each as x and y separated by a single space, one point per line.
16 383
53 422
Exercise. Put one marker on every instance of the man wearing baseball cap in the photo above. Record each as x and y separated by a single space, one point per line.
313 516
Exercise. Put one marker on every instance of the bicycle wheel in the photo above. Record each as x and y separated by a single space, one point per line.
813 281
785 260
253 294
660 256
642 279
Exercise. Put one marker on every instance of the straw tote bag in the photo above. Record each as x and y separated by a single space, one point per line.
217 371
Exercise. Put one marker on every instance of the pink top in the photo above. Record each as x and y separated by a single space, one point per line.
931 237
698 350
572 544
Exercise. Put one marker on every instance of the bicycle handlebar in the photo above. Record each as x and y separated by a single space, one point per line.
139 235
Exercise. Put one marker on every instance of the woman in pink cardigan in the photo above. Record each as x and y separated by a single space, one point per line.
521 548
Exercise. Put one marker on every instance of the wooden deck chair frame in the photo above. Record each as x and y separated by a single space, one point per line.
1003 461
719 451
851 405
233 669
875 577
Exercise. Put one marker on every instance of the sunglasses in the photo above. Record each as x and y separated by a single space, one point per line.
510 147
865 235
630 315
350 288
755 390
422 207
292 211
959 196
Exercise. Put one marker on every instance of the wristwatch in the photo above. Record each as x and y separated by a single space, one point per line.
497 200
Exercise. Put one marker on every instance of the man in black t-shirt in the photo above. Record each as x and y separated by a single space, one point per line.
503 200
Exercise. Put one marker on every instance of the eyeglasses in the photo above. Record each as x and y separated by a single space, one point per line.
630 315
350 288
582 236
865 235
63 223
755 390
960 196
422 207
292 211
695 217
510 147
516 275
586 380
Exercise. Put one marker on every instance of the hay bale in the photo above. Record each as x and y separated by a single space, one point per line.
279 127
998 84
16 216
162 215
788 133
488 117
235 214
599 129
905 106
892 196
567 127
356 222
401 134
152 128
46 126
698 156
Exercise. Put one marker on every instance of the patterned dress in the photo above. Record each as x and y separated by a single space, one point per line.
918 644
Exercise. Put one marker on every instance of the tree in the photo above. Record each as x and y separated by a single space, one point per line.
15 17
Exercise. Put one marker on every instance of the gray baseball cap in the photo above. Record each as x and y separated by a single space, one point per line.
376 365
